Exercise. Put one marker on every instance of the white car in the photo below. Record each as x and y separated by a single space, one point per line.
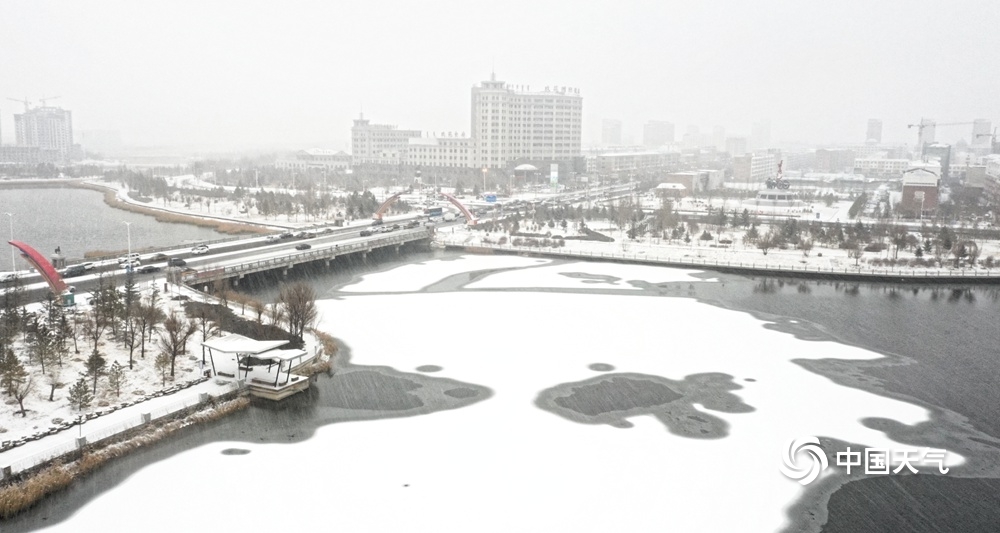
130 257
199 250
8 277
131 264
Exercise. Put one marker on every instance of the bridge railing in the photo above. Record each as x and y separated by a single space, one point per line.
311 255
745 265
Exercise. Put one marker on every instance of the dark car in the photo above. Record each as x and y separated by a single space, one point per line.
413 224
366 233
75 270
176 262
286 235
303 246
149 269
377 222
160 257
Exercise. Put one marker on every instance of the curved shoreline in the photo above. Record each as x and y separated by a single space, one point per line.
161 215
875 276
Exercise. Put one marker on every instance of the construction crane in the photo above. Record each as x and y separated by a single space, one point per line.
920 127
26 102
43 100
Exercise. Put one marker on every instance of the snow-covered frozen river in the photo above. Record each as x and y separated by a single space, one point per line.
532 395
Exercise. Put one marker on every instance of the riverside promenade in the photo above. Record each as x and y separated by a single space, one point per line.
762 267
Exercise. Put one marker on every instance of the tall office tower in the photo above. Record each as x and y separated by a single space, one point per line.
47 128
736 145
611 132
981 132
760 135
657 133
512 123
874 131
719 137
926 133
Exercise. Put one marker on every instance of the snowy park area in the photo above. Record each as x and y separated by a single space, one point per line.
714 415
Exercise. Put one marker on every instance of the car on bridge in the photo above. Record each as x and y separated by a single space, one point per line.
412 224
75 270
160 257
176 262
303 246
130 257
366 233
149 269
200 250
9 277
130 264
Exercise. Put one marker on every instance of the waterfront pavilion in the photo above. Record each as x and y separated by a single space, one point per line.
264 365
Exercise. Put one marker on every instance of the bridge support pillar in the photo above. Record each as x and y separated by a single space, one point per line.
398 246
236 282
364 256
327 263
284 272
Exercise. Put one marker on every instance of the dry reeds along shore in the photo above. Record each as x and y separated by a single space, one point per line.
222 226
19 496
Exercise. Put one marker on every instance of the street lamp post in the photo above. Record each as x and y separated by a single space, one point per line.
128 263
13 268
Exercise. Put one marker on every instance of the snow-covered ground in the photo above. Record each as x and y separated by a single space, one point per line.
738 252
504 464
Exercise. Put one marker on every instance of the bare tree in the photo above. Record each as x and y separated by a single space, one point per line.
299 303
855 251
258 308
21 390
174 337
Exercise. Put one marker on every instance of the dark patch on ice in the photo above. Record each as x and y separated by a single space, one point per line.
351 393
462 392
751 380
373 391
613 398
591 278
235 451
601 367
429 368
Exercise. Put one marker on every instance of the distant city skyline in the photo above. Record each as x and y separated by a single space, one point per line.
280 75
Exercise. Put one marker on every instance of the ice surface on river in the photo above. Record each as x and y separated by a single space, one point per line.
504 464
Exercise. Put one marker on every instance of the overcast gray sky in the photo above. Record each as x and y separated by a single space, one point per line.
263 73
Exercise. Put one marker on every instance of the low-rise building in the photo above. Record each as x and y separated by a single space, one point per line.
316 159
920 192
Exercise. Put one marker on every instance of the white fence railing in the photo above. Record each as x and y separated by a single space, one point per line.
93 431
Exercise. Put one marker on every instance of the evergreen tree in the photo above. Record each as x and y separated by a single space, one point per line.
80 395
95 367
117 378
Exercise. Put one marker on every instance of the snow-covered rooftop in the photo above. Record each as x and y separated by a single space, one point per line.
238 343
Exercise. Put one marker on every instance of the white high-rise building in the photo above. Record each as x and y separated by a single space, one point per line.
874 131
926 133
657 133
760 135
378 144
611 132
512 123
47 128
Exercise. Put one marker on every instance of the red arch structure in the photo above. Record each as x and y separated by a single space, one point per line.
43 266
385 206
454 201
